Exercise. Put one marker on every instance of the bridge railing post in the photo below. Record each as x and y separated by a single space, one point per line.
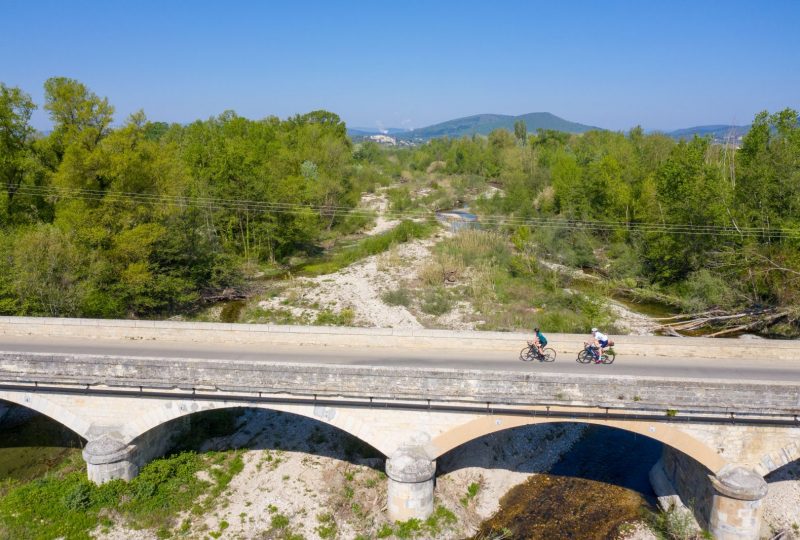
410 489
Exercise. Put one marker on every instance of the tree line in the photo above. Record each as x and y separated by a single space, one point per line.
147 218
718 224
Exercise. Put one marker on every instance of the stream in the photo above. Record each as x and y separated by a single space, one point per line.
597 487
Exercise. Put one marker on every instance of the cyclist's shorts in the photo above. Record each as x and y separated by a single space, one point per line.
604 343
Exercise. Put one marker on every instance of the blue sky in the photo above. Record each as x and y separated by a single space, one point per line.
662 64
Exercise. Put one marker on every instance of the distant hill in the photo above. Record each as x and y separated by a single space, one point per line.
484 124
715 131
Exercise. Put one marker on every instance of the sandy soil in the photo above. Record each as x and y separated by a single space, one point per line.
379 203
302 469
358 287
632 323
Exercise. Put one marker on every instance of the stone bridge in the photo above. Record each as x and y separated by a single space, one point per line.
127 387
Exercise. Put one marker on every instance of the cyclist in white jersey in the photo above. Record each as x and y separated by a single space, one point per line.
600 341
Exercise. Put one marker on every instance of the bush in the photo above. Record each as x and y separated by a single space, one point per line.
675 524
356 221
703 290
436 301
398 297
279 521
472 246
344 317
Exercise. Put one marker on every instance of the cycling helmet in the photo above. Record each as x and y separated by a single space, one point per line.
594 330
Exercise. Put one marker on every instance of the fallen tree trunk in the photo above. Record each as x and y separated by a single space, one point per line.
724 323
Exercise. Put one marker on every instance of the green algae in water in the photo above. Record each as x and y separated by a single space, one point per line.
550 507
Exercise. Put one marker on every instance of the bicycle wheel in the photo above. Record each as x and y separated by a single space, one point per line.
584 357
526 354
549 355
608 358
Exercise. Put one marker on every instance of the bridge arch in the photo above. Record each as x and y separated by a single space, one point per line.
664 433
49 408
786 455
340 418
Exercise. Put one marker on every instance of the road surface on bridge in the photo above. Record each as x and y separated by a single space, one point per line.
737 369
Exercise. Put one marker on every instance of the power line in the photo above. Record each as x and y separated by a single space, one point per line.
214 203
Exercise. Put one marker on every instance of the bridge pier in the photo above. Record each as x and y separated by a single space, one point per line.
727 504
410 489
108 458
736 505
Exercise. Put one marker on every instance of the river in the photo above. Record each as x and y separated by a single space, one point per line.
599 485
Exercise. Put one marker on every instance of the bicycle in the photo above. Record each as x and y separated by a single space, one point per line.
588 355
530 353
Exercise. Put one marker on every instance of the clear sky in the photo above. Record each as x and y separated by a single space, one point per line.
663 64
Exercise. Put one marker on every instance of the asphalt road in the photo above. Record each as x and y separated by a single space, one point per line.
693 368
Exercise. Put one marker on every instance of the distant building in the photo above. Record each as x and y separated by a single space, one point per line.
383 139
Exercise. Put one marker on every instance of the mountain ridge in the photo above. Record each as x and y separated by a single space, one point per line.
483 124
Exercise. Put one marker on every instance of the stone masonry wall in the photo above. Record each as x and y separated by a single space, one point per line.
617 392
690 480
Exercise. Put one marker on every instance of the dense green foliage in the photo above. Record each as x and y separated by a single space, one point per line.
65 504
147 219
712 225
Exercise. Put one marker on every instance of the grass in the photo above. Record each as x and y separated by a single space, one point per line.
472 492
65 504
507 287
328 317
327 526
373 245
436 301
397 297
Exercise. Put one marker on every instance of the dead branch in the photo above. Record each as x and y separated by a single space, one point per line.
750 325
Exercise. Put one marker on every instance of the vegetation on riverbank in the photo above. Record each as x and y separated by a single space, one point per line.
707 226
62 502
151 220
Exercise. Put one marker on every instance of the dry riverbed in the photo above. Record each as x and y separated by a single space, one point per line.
304 478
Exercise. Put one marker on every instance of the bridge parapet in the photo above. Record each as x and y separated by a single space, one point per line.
384 337
671 396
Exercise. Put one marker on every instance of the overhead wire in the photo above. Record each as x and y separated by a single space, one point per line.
215 203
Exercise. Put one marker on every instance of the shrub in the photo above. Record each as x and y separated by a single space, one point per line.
397 297
436 301
472 246
327 317
385 531
279 521
326 527
703 290
407 529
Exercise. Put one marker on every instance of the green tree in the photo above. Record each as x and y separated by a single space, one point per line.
15 139
78 114
521 132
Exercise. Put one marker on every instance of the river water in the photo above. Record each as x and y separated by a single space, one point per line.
599 485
